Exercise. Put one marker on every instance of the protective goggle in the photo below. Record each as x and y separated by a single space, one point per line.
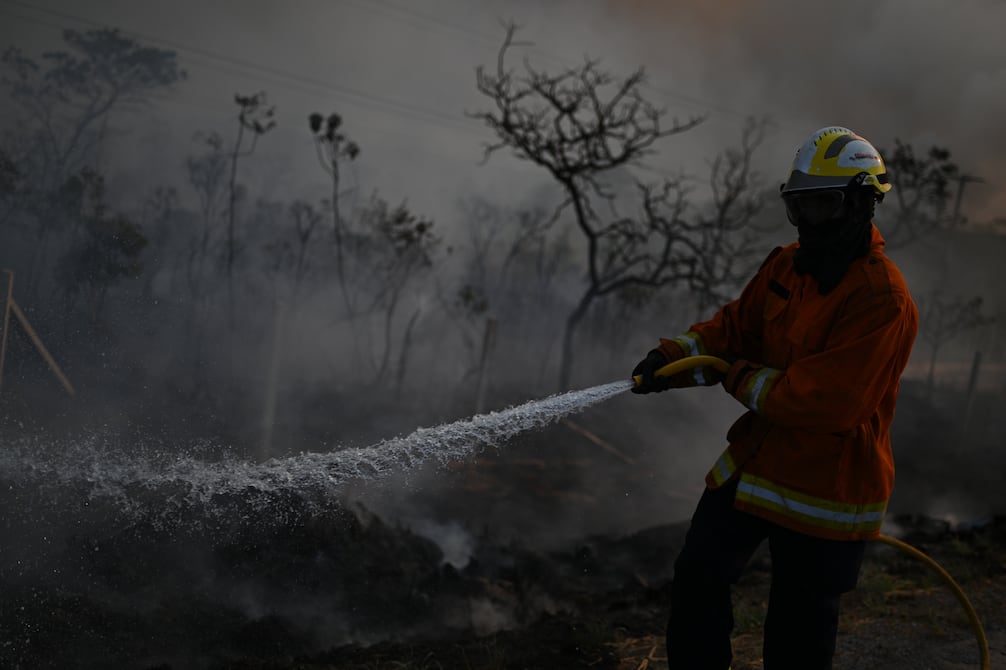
813 208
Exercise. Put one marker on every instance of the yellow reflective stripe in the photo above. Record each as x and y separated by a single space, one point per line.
809 509
812 500
724 468
691 343
757 387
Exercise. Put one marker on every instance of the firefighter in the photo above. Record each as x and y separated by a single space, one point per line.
818 340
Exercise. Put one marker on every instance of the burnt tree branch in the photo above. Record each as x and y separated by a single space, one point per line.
585 126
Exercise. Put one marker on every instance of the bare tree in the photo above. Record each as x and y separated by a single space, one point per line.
12 187
512 258
9 174
943 319
928 190
583 126
107 248
504 240
333 147
306 221
399 252
289 253
207 172
257 119
158 208
726 228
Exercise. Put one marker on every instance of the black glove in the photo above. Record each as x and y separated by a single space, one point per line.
645 369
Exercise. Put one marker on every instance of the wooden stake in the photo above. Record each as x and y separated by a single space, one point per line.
594 439
488 342
976 365
38 345
6 322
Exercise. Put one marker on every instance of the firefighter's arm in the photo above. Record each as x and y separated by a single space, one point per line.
734 331
840 387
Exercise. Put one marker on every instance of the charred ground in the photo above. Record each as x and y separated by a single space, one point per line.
486 569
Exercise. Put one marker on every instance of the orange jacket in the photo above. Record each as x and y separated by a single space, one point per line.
820 376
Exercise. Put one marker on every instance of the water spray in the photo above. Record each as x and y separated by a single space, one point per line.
187 481
193 482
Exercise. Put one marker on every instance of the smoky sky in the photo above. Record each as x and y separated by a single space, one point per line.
924 72
402 76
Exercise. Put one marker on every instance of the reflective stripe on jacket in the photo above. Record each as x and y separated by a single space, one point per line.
814 451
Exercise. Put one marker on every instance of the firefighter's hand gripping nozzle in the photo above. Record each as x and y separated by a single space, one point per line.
642 385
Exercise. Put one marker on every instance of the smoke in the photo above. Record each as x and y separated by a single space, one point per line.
172 391
402 78
454 541
927 73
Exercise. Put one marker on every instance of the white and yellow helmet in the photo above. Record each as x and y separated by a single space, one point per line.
833 158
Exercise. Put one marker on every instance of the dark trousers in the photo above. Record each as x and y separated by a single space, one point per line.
808 577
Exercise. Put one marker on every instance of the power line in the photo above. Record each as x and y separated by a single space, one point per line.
201 102
419 19
560 60
284 77
179 98
287 78
29 19
314 85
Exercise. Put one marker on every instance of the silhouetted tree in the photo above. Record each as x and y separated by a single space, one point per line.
158 209
11 184
107 245
62 104
289 254
928 191
306 222
333 147
9 175
511 261
583 126
207 173
728 242
398 254
67 99
503 238
942 319
256 119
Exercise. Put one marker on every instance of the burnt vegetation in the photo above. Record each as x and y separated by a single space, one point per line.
193 309
584 127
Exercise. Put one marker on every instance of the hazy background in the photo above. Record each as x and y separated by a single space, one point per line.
401 75
174 367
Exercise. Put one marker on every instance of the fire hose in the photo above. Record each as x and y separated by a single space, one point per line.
723 366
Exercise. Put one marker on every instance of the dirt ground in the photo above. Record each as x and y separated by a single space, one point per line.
902 617
84 586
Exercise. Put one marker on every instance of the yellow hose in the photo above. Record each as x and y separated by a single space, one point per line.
687 363
690 362
976 624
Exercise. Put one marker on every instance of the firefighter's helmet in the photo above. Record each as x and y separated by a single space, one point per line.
834 158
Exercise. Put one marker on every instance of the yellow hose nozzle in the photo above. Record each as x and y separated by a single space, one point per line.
687 363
